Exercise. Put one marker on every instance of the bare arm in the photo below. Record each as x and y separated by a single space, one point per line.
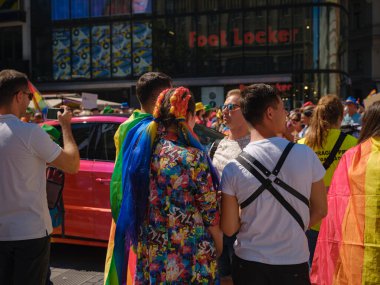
217 235
68 159
318 202
230 221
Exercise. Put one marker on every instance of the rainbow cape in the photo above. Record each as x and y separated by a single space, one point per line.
348 247
38 101
119 268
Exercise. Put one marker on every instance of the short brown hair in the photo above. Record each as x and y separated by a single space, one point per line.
151 84
11 81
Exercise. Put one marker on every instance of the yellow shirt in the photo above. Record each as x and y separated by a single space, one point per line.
324 152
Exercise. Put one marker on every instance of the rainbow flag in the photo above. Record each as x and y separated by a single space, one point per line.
348 247
38 101
116 260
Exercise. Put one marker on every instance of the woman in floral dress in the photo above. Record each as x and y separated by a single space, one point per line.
179 234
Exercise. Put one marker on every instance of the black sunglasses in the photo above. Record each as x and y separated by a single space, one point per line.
230 107
30 95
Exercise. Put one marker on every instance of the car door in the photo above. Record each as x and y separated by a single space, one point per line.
104 157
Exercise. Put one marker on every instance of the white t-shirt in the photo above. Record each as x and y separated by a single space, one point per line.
24 151
268 233
228 150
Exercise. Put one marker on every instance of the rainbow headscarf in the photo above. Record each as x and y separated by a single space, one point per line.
348 247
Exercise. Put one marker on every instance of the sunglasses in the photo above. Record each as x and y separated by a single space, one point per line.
29 94
230 107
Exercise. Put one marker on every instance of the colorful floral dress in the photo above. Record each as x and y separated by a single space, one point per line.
174 244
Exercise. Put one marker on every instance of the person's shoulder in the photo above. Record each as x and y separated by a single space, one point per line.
301 141
302 148
231 168
350 141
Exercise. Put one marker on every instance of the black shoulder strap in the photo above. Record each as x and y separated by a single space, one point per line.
283 156
334 150
214 147
267 184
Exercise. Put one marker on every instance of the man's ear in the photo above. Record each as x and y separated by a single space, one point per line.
18 96
269 113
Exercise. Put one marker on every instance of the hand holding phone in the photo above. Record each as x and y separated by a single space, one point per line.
52 113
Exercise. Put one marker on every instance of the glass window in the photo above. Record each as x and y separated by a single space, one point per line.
121 50
80 37
100 8
207 42
142 6
101 51
79 9
210 5
164 45
83 134
61 54
184 6
173 52
254 3
305 39
10 5
120 7
10 44
60 9
185 56
142 47
103 146
255 47
160 7
230 4
280 34
231 43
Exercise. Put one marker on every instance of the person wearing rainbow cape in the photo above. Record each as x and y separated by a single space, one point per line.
148 87
348 246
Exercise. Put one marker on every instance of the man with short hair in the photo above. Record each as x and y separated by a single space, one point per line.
25 149
227 149
271 193
148 87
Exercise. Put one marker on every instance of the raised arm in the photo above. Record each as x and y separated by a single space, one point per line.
68 160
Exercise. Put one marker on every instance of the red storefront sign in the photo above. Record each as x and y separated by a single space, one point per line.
249 38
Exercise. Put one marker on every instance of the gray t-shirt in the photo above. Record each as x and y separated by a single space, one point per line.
227 150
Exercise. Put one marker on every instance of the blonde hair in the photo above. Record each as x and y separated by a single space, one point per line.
327 113
233 92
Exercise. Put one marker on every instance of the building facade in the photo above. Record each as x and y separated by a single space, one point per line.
364 47
103 46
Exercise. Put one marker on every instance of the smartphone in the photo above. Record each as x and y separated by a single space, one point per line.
52 113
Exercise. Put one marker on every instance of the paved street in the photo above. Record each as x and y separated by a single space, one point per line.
77 265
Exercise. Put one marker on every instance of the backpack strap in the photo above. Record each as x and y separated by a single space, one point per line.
329 160
214 147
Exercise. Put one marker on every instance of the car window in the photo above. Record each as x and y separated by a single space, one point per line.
103 145
82 134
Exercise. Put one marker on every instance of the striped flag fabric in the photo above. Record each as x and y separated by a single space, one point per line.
38 101
348 247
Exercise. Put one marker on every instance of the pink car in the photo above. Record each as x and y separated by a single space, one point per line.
86 195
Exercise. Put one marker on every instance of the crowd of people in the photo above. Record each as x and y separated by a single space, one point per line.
283 198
